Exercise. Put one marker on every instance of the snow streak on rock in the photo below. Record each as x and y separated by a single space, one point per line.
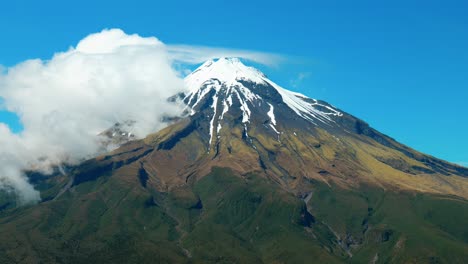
271 114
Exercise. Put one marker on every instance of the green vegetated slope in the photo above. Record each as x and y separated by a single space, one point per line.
390 227
228 218
250 220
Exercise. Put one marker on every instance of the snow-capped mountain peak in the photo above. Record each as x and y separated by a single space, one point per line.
227 70
226 85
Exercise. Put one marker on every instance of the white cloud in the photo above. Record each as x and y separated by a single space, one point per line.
13 157
109 41
299 78
63 103
199 54
462 163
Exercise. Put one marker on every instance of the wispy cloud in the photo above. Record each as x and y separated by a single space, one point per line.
299 78
199 54
463 163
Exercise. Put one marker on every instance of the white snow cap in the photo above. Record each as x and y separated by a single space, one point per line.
226 70
230 71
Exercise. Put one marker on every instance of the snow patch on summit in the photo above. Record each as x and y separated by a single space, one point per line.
229 71
224 80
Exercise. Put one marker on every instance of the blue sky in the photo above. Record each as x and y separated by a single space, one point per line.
400 66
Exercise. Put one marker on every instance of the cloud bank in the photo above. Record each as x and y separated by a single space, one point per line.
65 102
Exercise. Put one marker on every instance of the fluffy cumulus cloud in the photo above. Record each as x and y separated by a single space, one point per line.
65 102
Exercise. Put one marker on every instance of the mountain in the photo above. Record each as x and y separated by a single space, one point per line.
293 138
253 173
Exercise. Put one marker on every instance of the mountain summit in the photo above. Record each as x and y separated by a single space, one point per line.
253 173
232 86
